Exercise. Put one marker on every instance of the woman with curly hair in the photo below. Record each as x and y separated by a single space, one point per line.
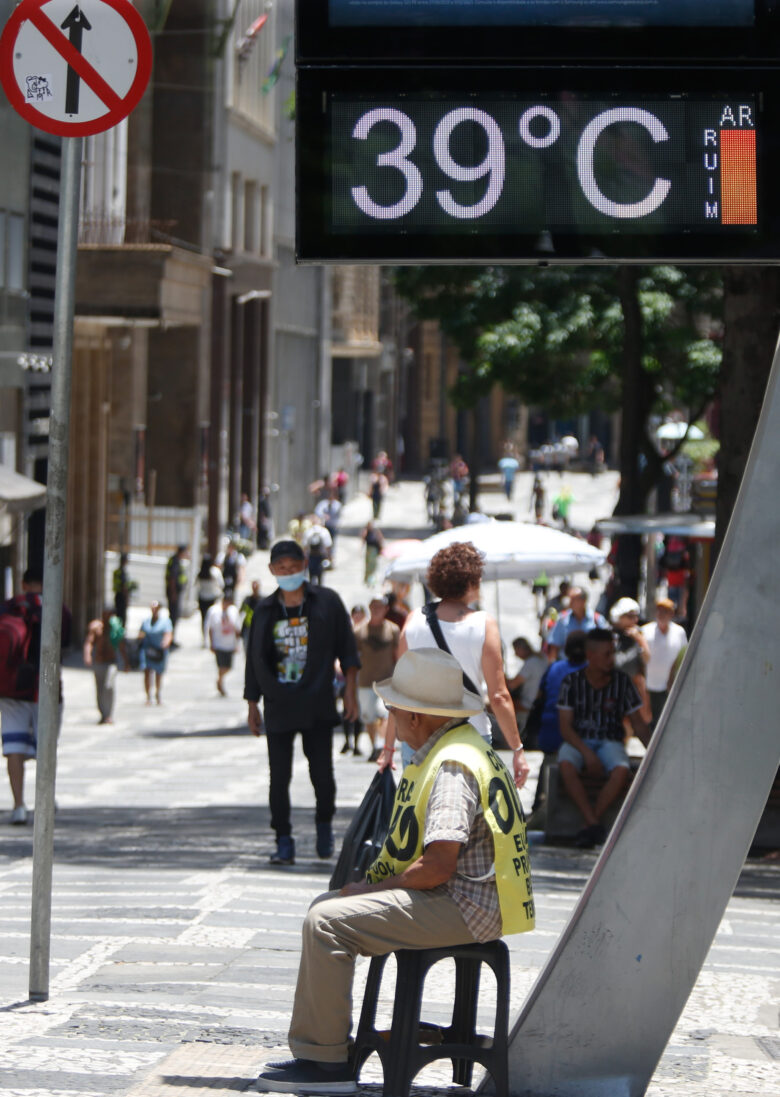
454 576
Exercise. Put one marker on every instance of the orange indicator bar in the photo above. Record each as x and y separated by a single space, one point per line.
738 177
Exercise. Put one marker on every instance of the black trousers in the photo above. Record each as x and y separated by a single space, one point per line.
317 745
120 607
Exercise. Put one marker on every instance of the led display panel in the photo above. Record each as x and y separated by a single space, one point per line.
515 173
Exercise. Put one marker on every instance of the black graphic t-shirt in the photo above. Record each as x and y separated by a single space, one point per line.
291 639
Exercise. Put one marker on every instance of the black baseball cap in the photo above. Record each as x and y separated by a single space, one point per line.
286 548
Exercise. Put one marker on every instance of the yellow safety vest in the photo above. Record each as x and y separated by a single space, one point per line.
503 813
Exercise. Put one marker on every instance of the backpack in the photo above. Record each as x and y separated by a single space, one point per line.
230 571
673 561
20 624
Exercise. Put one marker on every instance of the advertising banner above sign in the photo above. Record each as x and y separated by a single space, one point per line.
75 69
541 13
529 31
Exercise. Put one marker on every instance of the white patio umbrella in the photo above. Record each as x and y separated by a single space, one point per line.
512 550
674 431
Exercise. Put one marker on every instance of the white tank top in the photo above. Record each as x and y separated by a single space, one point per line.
465 639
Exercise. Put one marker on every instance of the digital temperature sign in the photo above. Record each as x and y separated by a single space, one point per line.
503 174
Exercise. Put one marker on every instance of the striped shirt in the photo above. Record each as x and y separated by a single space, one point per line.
599 713
454 814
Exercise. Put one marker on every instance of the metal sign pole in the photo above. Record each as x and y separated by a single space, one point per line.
53 571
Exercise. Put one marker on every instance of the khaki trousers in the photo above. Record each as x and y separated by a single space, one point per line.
336 930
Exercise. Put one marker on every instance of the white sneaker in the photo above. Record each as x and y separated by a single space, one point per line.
18 816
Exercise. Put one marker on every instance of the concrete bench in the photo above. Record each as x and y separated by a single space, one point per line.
563 820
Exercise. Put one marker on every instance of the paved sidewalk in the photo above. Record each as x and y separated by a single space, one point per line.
175 943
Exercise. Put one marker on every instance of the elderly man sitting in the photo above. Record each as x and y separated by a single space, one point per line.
453 870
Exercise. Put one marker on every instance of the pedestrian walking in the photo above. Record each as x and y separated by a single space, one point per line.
317 544
298 633
123 587
459 473
156 636
454 576
352 728
175 585
665 641
247 526
383 465
341 480
595 455
376 493
329 512
209 586
537 497
232 564
265 524
20 644
562 505
105 637
374 543
247 611
223 628
377 644
508 465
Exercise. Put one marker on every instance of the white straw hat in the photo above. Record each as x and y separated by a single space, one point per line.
429 681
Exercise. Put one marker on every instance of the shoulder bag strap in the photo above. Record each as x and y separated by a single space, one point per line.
429 612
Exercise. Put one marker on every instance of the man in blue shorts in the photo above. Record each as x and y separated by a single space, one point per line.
592 705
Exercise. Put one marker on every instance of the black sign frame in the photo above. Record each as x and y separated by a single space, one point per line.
318 242
319 40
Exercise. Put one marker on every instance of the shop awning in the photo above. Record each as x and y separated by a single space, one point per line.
19 493
684 525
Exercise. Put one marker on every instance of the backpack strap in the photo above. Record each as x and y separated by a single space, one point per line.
429 612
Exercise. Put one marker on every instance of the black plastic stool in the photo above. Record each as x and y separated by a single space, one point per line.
402 1055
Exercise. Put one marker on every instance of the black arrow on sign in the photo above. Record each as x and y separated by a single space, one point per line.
76 22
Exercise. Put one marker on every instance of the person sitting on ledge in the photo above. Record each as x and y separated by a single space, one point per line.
591 706
453 870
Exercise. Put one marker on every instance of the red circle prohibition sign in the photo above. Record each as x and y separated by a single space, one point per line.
117 106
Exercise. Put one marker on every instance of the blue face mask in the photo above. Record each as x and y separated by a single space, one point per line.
291 582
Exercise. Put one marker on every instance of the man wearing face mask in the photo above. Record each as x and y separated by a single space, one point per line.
297 634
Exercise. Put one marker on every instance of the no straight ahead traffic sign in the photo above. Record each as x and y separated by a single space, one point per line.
74 69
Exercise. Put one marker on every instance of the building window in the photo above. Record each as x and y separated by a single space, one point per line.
265 221
250 217
236 211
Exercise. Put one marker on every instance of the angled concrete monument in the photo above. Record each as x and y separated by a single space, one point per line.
606 1003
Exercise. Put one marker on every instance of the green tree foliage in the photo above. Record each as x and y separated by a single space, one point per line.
557 338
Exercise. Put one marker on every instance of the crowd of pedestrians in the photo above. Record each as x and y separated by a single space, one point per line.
310 665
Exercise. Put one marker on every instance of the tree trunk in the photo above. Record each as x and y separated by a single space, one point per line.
752 321
634 413
474 458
